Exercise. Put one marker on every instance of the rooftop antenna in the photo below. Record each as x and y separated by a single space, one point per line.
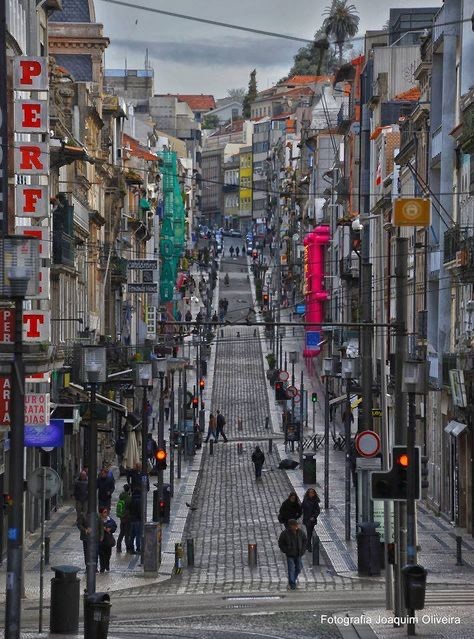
147 60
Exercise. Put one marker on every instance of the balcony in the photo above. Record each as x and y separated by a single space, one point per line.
452 244
467 139
344 117
63 249
466 261
230 188
349 267
342 190
119 269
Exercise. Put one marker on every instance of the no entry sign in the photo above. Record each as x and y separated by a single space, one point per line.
367 443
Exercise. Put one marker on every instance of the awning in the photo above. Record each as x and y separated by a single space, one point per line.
104 400
343 398
455 428
356 403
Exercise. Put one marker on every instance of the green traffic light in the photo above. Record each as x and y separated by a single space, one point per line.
314 397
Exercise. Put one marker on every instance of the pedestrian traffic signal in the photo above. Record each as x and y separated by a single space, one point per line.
195 402
202 384
393 484
160 457
280 391
314 397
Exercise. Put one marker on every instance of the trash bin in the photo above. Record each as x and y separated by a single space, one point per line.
96 615
414 586
368 549
309 468
64 611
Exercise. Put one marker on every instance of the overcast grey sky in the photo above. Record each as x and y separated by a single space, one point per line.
190 57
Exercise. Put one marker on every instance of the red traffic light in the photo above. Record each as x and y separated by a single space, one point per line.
403 460
195 401
202 384
265 297
162 504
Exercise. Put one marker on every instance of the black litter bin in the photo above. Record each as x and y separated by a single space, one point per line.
368 549
414 586
309 468
64 611
96 615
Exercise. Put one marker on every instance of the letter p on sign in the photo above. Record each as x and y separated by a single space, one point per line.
30 73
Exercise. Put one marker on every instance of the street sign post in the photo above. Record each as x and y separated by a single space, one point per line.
367 443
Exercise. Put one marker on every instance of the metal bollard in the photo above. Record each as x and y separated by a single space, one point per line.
190 552
211 447
238 334
46 550
240 448
178 558
252 552
459 561
315 544
270 445
267 422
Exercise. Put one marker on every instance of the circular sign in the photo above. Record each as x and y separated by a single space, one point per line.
291 392
283 376
367 443
47 477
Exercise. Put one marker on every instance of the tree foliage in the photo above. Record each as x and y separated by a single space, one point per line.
341 23
250 95
237 94
210 121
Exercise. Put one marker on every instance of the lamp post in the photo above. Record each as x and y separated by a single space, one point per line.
349 372
19 257
293 358
328 370
94 372
143 378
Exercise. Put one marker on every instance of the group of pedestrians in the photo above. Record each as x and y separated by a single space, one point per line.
216 428
293 542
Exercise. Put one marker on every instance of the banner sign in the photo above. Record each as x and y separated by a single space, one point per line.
142 265
51 435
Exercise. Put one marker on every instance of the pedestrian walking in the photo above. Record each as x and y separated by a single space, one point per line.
258 459
85 532
311 510
220 423
151 448
120 446
123 514
231 251
211 429
135 523
292 543
225 304
215 320
166 404
105 488
80 494
107 540
290 509
199 318
237 251
188 318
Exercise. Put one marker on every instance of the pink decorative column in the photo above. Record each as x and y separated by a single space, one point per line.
314 290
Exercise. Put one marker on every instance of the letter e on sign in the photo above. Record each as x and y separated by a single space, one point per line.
30 73
31 116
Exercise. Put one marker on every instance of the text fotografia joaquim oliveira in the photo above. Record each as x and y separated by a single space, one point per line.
390 620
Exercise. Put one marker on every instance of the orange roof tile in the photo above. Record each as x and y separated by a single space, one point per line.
412 95
307 79
137 149
198 102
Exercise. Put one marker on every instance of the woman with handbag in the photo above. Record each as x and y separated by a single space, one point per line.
107 540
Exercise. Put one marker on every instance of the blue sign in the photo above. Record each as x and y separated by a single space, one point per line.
300 309
51 435
313 339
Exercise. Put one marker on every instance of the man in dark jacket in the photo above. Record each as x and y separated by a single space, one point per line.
135 523
290 509
220 421
258 459
105 488
292 543
123 513
82 524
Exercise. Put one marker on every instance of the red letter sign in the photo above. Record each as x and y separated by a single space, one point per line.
31 201
30 73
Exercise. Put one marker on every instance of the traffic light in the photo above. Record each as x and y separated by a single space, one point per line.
202 384
280 392
314 397
393 484
7 501
424 471
265 299
195 402
160 457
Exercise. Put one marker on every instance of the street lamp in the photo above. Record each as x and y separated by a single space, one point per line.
143 378
329 370
19 267
293 359
94 372
349 370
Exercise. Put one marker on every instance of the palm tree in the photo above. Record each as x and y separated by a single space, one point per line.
342 22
